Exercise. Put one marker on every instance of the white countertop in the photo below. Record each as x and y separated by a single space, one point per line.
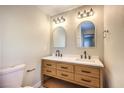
92 62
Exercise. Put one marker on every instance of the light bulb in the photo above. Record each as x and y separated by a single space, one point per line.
54 20
80 14
84 13
62 19
57 22
91 12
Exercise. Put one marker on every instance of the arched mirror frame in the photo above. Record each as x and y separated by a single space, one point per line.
55 29
77 35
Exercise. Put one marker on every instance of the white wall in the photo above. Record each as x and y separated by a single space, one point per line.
71 26
0 46
114 46
26 38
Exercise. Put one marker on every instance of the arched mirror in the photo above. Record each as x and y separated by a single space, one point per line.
59 37
86 34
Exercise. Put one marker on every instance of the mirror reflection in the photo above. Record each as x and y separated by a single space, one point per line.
86 34
59 37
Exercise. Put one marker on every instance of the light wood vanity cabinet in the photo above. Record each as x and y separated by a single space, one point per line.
88 76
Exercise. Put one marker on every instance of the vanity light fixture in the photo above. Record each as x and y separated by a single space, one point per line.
86 13
59 20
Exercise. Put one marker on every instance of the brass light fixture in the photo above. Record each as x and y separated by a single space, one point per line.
86 13
59 20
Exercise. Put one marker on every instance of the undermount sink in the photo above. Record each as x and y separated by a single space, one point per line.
61 58
85 60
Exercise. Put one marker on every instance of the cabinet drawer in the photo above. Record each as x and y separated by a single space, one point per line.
49 64
49 71
89 71
87 80
65 67
66 75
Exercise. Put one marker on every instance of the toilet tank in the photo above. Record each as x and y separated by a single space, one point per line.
12 77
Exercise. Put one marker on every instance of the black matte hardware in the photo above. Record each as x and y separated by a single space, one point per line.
86 80
81 56
61 55
48 71
85 71
64 75
48 64
58 53
89 57
64 67
85 54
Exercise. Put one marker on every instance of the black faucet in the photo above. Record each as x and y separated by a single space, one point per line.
81 56
58 54
85 54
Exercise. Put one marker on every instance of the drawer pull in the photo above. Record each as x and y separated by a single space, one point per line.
64 67
48 71
48 64
85 71
65 75
86 80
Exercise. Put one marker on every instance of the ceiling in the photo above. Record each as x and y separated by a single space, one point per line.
56 9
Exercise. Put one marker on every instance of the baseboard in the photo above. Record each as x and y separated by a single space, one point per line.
37 85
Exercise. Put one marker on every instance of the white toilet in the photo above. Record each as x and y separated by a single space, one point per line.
12 77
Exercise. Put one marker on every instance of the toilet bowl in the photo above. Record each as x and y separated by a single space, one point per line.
12 77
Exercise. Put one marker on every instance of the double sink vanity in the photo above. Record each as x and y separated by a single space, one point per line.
74 70
82 72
